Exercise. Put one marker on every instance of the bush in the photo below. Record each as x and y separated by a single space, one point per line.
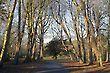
53 48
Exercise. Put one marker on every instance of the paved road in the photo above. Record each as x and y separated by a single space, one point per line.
51 67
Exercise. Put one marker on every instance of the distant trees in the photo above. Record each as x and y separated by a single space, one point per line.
54 47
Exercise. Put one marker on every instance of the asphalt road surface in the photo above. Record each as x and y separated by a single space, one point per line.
51 67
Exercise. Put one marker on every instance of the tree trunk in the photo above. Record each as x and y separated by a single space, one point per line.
76 27
90 50
18 43
108 51
100 54
41 42
83 46
7 33
109 41
29 28
87 27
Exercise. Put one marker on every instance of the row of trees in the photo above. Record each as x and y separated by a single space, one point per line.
87 19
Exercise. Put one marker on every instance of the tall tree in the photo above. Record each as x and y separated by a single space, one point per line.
108 57
29 28
7 33
18 36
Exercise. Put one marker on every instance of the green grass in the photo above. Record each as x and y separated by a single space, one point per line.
58 58
48 58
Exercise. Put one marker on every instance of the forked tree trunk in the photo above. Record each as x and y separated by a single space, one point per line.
76 27
29 23
87 27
